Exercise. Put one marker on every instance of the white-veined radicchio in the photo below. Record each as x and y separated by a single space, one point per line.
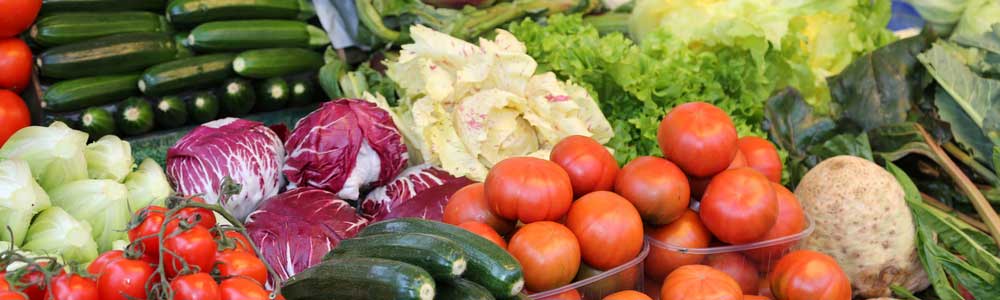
246 151
295 229
344 147
420 191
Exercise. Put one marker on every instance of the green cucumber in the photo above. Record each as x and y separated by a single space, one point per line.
134 116
65 28
170 112
193 12
49 6
303 91
489 265
273 94
461 289
360 279
439 256
85 92
97 122
120 53
204 107
186 73
267 63
238 97
256 34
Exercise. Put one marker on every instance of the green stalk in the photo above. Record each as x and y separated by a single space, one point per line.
371 19
609 22
972 163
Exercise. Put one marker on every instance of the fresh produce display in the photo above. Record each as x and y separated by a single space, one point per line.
420 191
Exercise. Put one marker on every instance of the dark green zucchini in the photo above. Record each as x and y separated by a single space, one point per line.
183 51
203 107
49 6
238 97
194 12
66 28
134 116
439 256
85 92
97 122
303 91
274 62
170 112
255 34
461 289
120 53
273 94
186 73
360 279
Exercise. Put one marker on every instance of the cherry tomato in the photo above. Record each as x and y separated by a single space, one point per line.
205 217
700 282
97 266
232 263
739 206
549 254
15 61
698 137
469 204
14 114
738 267
590 166
124 279
240 242
608 228
485 231
806 274
34 281
18 15
791 220
73 287
699 184
528 189
627 295
761 156
657 188
194 246
4 285
239 288
10 295
685 232
152 219
197 286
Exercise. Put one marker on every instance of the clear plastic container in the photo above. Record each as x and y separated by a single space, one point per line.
628 276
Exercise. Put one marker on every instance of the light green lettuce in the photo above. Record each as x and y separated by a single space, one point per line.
101 203
20 199
147 185
109 158
57 233
55 153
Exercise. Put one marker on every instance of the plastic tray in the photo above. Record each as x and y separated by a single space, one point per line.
628 276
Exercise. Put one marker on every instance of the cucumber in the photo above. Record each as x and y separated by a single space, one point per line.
170 112
439 256
49 6
303 91
85 92
489 265
461 289
65 28
267 63
97 122
186 73
255 34
238 97
193 12
273 94
120 53
134 116
203 107
360 279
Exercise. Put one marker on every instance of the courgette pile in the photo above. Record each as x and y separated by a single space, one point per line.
186 61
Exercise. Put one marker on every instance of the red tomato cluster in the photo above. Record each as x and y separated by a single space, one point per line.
15 64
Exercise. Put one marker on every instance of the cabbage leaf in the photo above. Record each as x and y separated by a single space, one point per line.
20 199
55 153
147 185
109 158
101 203
55 232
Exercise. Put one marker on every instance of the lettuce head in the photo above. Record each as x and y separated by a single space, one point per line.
147 185
55 232
109 158
100 202
54 153
20 199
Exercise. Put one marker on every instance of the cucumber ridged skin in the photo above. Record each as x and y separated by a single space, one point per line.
75 94
191 72
273 94
267 63
461 289
303 91
134 116
255 34
193 12
439 256
360 279
66 28
238 97
488 265
170 112
49 6
97 122
115 54
203 107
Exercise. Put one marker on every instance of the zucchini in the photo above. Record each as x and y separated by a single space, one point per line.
238 97
65 28
360 279
273 94
256 34
135 116
183 51
303 91
489 265
49 6
267 63
85 92
461 289
170 112
204 107
439 256
120 53
185 73
193 12
97 122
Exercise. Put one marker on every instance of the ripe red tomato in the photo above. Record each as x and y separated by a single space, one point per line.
194 246
14 114
755 297
739 268
485 231
656 187
627 295
19 14
698 137
764 288
700 282
469 204
739 206
528 189
549 254
698 184
239 288
232 263
590 166
73 287
4 285
15 63
33 281
240 242
567 295
686 232
10 295
791 220
761 156
204 216
152 219
97 266
608 228
197 286
806 274
124 279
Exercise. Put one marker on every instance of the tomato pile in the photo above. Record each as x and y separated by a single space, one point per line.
579 211
15 64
